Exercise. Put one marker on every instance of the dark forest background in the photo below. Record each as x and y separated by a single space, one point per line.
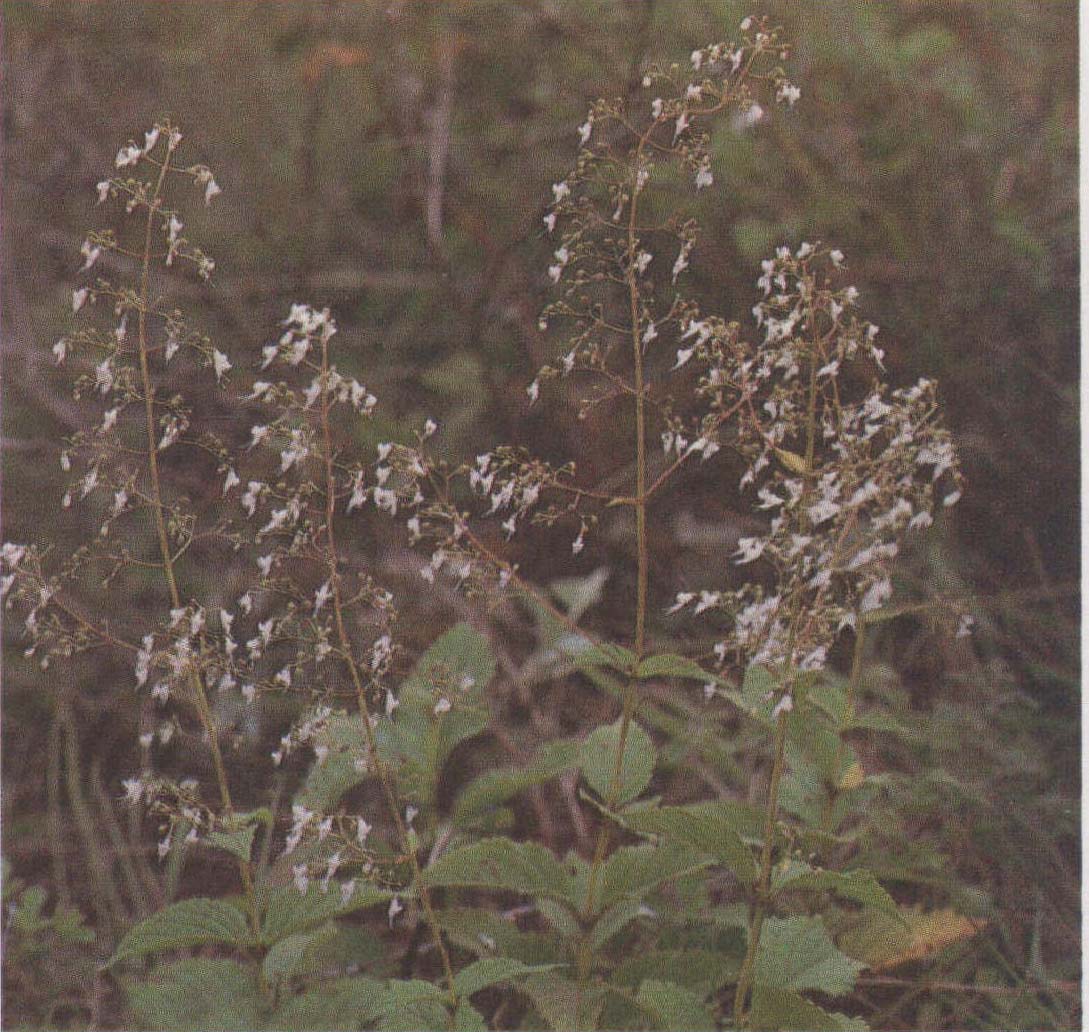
393 161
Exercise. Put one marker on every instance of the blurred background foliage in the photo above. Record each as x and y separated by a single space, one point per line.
392 161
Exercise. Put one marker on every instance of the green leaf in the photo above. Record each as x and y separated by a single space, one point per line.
633 871
502 865
290 955
489 970
191 922
558 1000
238 843
673 1006
712 828
702 970
497 786
598 762
290 911
201 995
413 1004
488 934
459 664
858 885
775 1009
797 953
344 1003
670 665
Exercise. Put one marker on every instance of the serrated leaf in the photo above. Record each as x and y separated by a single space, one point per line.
782 1009
198 995
557 999
497 786
238 843
289 911
702 970
412 1004
928 933
670 665
290 955
344 1003
192 922
598 761
499 863
460 663
490 970
488 934
858 885
633 871
673 1006
797 953
712 828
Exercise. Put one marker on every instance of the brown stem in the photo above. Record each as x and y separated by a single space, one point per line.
385 776
639 502
200 699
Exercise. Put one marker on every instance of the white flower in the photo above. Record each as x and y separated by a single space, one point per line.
876 595
264 564
704 176
683 355
395 907
321 596
656 107
694 91
837 258
79 298
220 363
697 59
746 24
559 192
682 261
534 391
680 125
749 549
550 221
442 706
302 878
231 480
128 156
90 255
585 129
683 598
788 92
60 350
784 705
964 627
347 890
210 191
429 428
951 499
103 189
386 500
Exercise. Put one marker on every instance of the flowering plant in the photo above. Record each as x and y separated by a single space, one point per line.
839 468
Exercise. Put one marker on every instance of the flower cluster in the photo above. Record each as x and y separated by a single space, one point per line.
842 471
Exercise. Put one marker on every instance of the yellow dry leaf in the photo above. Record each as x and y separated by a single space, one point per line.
931 933
853 777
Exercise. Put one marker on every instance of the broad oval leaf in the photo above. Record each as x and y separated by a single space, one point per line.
599 767
197 995
289 911
490 970
797 953
501 864
192 922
